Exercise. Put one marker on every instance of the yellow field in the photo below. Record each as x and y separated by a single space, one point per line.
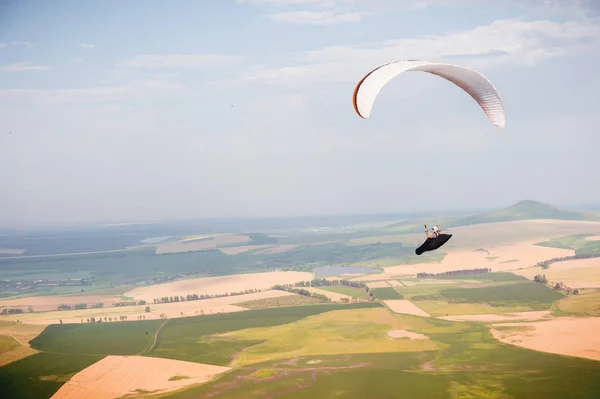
172 310
497 318
334 296
200 243
406 307
116 376
22 334
337 332
566 336
219 285
578 273
588 301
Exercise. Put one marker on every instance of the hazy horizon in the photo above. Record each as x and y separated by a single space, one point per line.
242 109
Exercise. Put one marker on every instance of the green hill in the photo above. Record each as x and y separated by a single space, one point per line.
522 210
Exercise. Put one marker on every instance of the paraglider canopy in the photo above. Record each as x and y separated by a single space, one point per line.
471 81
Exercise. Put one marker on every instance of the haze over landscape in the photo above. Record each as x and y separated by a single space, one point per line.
191 207
145 111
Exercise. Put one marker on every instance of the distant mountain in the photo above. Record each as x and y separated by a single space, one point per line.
522 210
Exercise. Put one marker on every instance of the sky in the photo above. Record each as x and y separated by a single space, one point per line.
150 110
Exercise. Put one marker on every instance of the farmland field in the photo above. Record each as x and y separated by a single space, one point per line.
347 291
191 338
472 363
386 293
121 338
40 375
288 300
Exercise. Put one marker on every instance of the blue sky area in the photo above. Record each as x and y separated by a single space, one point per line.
115 111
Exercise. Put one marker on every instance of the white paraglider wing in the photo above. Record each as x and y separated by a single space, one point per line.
472 82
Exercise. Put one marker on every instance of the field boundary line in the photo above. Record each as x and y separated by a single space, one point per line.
155 338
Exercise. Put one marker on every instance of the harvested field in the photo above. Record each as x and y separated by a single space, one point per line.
405 306
51 302
565 336
526 253
200 243
219 285
394 283
172 310
496 318
578 273
587 302
334 296
399 334
20 334
242 249
378 284
593 238
116 376
288 300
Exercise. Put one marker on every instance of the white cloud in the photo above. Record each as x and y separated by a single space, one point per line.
502 42
2 45
23 44
100 94
179 61
77 60
316 17
23 67
86 46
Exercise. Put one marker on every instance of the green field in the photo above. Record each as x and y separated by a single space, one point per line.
533 295
348 291
41 375
468 364
191 338
121 338
586 303
289 300
386 293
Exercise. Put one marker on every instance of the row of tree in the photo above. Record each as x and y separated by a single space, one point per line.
455 273
196 297
108 319
578 255
301 291
12 311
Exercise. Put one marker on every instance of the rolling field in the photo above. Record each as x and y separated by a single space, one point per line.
472 364
586 303
40 375
98 338
117 376
14 341
578 273
386 293
566 336
191 339
339 332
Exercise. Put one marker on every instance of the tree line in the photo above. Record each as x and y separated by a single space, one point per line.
296 288
196 297
99 305
455 273
578 255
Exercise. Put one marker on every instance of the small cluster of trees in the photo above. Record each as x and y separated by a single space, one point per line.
196 297
455 273
541 278
12 311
